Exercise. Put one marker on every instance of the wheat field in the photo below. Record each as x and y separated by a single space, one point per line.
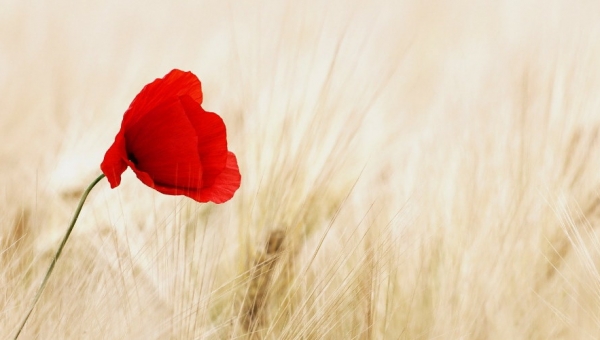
410 170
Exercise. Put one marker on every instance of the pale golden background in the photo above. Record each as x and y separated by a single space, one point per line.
411 170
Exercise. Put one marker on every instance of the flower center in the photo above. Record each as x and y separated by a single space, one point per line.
132 158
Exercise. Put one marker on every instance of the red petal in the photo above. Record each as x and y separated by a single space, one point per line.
163 150
212 139
114 163
175 84
225 185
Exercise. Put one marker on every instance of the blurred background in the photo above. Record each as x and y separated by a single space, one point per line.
429 167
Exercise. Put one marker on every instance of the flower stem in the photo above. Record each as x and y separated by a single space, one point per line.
58 252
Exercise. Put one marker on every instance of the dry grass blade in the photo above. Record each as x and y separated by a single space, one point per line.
261 273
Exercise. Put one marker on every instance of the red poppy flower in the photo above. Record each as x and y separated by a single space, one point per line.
172 144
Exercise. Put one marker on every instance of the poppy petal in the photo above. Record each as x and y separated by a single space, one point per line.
175 84
163 149
225 185
114 163
212 139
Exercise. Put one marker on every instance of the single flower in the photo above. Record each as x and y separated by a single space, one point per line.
172 144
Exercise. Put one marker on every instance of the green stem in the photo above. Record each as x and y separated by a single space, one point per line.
58 252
